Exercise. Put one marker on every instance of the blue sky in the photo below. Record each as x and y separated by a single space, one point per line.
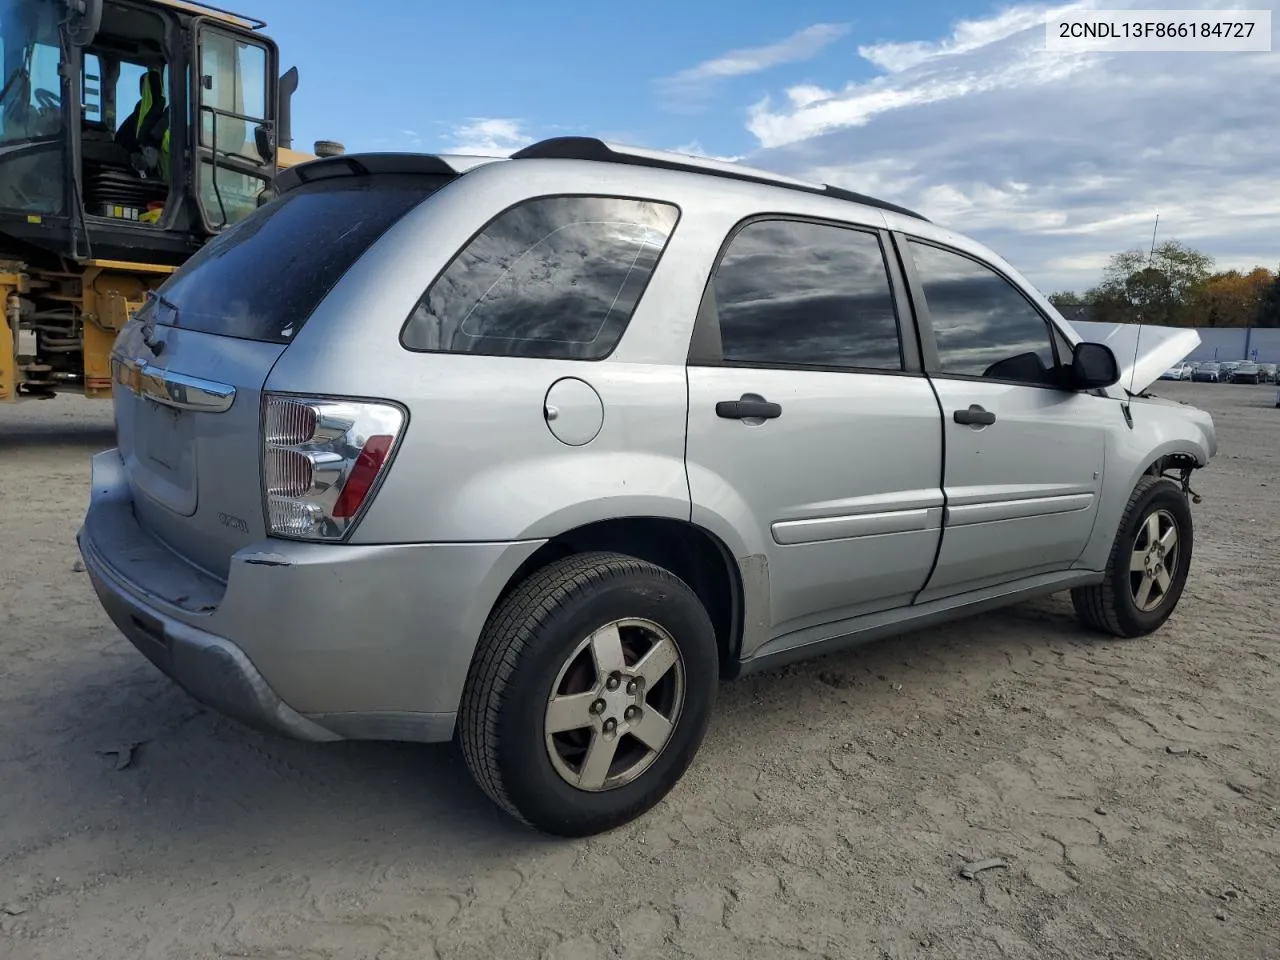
955 108
559 64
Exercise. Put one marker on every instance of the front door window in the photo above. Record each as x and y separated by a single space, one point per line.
983 326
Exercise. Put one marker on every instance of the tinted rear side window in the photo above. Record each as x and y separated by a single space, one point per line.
555 277
262 278
794 293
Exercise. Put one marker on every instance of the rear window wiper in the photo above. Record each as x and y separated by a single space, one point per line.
164 301
157 297
149 324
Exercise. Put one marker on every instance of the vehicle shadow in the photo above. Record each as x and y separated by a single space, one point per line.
119 743
118 753
34 435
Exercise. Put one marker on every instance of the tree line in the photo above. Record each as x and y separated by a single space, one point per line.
1176 286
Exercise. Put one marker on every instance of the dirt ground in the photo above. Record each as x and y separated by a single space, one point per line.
1133 788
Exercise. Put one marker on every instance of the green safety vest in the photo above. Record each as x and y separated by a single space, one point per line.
144 108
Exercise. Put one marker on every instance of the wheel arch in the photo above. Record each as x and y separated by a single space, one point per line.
692 553
1175 454
1176 459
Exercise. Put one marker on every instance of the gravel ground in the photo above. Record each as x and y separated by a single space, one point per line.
1130 787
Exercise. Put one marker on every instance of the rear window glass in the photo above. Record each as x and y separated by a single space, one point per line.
262 278
554 277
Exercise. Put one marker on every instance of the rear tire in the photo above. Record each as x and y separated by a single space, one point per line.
1148 565
589 694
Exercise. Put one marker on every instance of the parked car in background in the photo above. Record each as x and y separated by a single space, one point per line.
1179 371
536 451
1207 372
1246 372
1268 372
1225 367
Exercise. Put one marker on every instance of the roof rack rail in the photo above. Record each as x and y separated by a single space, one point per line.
199 6
593 148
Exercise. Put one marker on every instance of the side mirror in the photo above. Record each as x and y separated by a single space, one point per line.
83 19
264 139
1093 366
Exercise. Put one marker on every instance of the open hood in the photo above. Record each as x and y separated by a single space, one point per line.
1157 349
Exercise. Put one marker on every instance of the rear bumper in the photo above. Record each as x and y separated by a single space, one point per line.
314 641
210 668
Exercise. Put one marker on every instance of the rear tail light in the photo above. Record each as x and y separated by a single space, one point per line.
322 460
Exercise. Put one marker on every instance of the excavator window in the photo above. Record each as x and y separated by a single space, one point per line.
107 100
234 74
30 108
34 92
125 115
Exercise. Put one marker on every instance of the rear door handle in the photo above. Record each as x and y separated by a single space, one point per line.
975 416
748 408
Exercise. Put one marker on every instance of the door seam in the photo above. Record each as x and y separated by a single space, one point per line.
942 486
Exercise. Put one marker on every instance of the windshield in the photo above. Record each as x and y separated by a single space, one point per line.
29 54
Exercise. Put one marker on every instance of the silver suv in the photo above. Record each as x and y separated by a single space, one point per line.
538 450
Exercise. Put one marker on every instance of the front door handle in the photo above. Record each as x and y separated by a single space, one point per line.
975 416
750 407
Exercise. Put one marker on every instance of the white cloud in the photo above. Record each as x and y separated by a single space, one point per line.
688 88
806 93
814 111
488 137
967 35
1055 159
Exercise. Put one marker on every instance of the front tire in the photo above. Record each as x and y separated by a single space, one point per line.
589 694
1148 565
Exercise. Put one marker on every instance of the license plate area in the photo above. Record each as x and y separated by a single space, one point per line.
162 461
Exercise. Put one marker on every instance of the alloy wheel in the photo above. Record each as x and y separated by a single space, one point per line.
1153 560
614 705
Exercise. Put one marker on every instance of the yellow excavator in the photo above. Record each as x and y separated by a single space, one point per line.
131 132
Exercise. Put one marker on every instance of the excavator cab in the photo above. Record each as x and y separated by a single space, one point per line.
132 129
131 133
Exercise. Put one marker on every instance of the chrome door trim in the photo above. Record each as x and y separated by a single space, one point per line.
997 510
170 388
885 523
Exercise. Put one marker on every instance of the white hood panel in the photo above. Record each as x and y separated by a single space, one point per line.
1157 349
